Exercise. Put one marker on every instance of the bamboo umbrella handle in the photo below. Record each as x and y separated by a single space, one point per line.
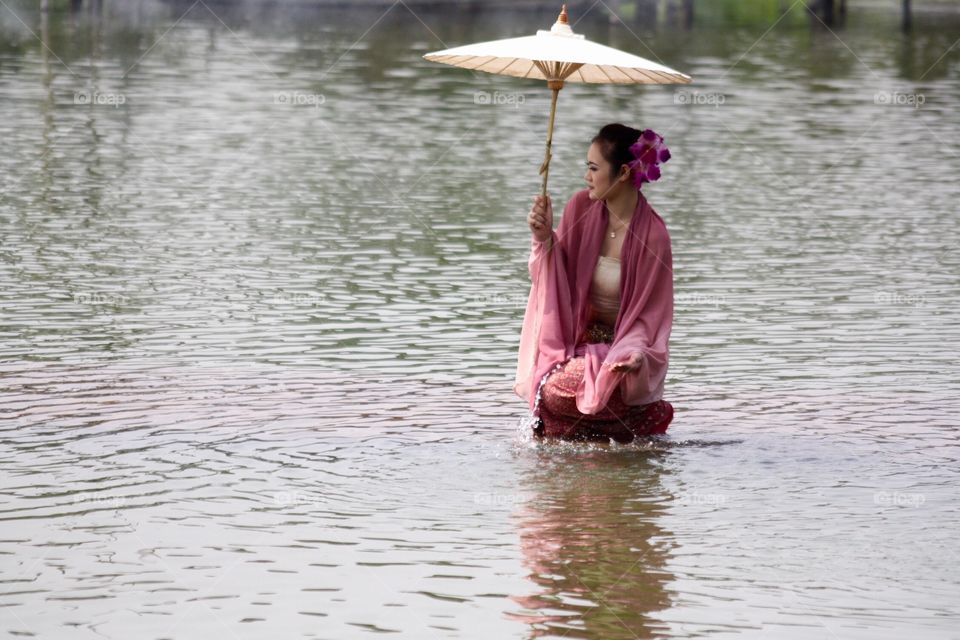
555 86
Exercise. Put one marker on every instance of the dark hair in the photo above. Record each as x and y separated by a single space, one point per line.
615 140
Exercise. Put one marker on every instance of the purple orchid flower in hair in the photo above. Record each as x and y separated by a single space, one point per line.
648 152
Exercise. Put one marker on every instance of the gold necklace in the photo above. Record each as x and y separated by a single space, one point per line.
613 234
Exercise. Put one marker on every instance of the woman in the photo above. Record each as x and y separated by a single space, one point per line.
594 343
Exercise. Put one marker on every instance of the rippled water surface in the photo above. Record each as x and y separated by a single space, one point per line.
263 273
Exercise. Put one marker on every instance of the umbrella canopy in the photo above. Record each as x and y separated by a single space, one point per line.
558 56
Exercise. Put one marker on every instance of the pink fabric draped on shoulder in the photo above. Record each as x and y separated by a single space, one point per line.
561 270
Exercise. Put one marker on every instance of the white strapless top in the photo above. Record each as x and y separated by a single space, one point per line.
605 290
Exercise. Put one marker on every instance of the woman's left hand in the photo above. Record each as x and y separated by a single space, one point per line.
634 363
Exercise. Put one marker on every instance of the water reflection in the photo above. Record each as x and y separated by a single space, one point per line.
592 543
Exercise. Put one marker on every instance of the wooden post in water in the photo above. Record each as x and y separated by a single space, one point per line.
616 10
646 12
825 10
907 21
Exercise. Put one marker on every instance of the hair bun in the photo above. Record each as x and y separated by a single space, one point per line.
642 151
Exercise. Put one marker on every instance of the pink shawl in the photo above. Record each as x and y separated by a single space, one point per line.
557 306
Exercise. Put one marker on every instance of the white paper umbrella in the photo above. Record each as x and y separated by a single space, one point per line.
558 56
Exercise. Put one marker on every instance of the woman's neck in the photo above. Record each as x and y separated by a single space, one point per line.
623 205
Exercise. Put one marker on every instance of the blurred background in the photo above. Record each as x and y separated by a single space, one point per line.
263 271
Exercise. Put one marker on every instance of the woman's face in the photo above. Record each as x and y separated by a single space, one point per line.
602 185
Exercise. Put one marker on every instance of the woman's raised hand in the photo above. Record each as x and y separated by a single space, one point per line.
540 218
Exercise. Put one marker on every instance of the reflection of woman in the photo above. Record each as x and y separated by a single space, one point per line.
594 343
593 545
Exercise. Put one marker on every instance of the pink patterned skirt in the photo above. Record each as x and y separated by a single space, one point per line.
560 418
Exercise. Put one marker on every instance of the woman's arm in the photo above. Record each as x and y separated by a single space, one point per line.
661 268
540 221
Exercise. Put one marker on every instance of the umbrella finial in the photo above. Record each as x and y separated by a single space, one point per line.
562 26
